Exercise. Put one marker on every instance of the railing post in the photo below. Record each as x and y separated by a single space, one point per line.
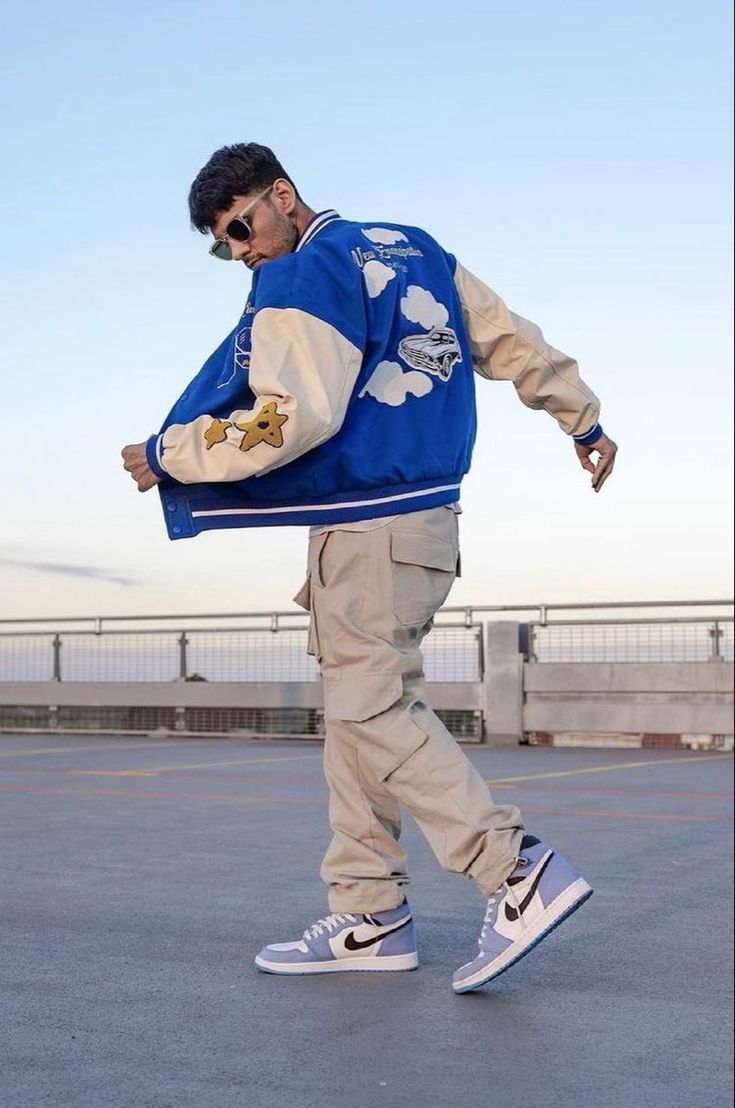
56 645
716 636
481 667
532 642
525 641
183 643
503 685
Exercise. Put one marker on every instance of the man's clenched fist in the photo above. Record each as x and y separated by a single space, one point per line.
136 463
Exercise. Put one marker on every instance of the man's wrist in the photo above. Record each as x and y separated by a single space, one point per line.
589 438
153 451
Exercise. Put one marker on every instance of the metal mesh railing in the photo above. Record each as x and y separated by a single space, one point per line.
650 641
253 721
465 725
119 657
112 717
269 648
26 657
263 647
452 653
27 717
249 656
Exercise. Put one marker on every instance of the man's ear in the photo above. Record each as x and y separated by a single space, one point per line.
283 196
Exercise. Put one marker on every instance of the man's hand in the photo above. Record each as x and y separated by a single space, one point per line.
136 463
601 470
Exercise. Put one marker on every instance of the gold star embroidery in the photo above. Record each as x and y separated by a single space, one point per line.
264 427
216 432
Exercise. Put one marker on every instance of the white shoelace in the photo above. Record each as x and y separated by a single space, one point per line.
328 923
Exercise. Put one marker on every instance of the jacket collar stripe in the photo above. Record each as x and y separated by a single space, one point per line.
317 224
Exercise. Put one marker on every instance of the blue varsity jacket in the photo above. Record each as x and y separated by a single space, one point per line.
346 389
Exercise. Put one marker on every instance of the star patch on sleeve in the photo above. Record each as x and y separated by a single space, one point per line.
216 432
264 427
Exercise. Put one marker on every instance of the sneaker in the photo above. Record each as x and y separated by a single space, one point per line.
541 891
383 941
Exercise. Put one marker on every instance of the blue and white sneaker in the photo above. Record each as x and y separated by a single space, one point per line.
382 941
541 891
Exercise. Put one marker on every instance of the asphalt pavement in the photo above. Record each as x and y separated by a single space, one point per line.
139 877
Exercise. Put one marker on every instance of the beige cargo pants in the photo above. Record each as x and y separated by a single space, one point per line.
372 595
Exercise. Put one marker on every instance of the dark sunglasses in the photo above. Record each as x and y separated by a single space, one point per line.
238 229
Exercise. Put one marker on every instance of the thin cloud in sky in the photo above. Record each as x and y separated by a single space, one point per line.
68 569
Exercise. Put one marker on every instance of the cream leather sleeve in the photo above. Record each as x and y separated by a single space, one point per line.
302 372
506 347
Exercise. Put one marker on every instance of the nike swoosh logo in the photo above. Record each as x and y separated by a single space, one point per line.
351 943
513 914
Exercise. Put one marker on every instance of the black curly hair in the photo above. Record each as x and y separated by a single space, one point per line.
232 171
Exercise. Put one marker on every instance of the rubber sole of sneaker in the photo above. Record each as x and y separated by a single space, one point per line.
394 963
559 910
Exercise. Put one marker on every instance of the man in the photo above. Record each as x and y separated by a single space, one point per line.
344 400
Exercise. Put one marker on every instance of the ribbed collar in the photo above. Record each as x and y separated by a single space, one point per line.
317 224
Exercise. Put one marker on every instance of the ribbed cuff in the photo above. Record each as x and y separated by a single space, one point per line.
151 453
590 437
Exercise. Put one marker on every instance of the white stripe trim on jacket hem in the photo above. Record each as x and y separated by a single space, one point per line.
322 507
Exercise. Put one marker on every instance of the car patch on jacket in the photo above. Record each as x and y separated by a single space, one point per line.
436 352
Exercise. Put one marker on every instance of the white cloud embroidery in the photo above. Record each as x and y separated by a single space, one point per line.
377 277
390 385
384 236
420 307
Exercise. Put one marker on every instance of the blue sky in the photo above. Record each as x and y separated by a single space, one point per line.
575 155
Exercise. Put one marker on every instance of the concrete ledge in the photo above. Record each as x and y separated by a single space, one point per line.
210 694
600 716
681 677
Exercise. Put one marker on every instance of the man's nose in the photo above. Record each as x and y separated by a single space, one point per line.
240 250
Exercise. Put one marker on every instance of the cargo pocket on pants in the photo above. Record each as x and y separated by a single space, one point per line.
303 599
384 743
303 596
424 569
313 646
355 696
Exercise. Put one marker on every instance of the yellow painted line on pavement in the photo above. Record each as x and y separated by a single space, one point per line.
607 769
113 773
156 770
243 762
76 749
